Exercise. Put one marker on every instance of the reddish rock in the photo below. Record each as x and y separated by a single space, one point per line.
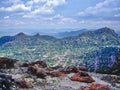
39 63
72 69
48 69
57 74
22 83
7 63
33 69
82 77
96 87
39 72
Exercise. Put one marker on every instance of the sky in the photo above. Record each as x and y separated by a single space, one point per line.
60 15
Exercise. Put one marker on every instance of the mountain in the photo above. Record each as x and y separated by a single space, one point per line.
100 37
5 39
93 49
69 34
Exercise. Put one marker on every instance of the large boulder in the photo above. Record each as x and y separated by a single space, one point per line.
96 87
39 72
72 69
56 67
40 63
48 69
82 77
7 63
23 83
6 82
56 74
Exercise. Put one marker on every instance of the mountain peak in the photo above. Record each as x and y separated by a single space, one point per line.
21 34
105 29
37 35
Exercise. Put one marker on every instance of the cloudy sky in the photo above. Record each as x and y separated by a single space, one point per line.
58 14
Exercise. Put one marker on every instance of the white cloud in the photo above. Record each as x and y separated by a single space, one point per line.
40 10
18 7
117 15
59 19
117 9
31 8
55 2
43 10
56 17
6 17
43 7
68 20
47 2
107 6
11 22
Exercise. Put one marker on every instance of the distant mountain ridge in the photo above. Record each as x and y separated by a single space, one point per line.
87 48
69 34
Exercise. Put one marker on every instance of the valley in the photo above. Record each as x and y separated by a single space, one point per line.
91 49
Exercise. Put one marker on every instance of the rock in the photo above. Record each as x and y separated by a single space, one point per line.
72 69
112 79
56 67
39 63
25 64
6 76
39 72
117 79
22 83
96 87
57 74
109 78
7 63
6 82
82 68
82 77
48 69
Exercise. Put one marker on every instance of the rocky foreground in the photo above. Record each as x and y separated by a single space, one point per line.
15 75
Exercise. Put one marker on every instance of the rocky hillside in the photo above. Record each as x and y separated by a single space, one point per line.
37 75
93 49
114 69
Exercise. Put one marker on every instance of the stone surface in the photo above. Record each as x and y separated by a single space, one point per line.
72 69
39 72
57 74
96 87
23 83
36 76
6 82
48 69
40 63
82 77
7 63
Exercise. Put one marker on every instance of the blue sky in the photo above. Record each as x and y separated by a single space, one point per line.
59 14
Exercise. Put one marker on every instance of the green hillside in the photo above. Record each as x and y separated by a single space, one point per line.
85 49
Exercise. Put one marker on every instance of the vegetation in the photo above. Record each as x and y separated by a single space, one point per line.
94 49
